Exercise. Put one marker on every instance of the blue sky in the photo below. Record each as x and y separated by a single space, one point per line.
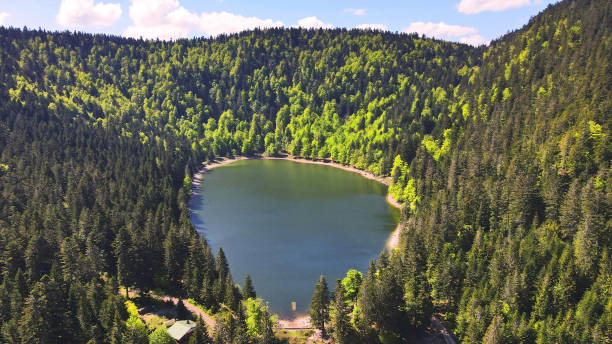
469 21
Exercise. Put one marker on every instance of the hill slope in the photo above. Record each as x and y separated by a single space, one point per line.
501 154
515 216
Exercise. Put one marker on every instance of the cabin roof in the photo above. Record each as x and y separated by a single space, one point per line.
181 328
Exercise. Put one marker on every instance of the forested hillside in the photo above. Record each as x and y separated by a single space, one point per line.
500 153
101 136
514 218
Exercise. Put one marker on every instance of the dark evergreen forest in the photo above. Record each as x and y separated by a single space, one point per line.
500 154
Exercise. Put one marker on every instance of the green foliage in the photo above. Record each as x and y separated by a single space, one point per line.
131 308
259 322
187 184
342 329
160 336
200 334
319 305
181 311
248 291
501 154
135 331
351 284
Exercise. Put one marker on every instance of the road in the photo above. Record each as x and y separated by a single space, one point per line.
435 323
210 322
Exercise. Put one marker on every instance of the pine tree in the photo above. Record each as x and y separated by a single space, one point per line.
10 332
117 330
340 317
193 275
319 305
232 296
222 269
21 284
222 265
207 296
181 310
175 249
5 301
248 291
37 258
124 260
45 312
367 298
200 334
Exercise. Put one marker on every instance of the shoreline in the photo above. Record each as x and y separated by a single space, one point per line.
197 178
301 322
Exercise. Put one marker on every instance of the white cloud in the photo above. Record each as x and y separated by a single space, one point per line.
167 19
381 27
356 11
80 13
216 23
441 30
477 6
474 40
3 16
313 23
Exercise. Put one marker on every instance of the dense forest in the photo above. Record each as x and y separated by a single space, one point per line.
501 155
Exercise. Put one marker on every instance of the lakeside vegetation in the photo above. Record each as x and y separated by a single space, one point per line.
500 153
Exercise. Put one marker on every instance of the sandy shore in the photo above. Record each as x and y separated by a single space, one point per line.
299 323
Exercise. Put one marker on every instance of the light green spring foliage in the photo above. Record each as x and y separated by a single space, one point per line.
432 146
402 186
258 318
335 95
187 184
160 336
131 308
351 284
135 331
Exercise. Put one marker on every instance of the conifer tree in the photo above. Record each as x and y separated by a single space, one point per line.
200 334
340 316
124 260
248 291
222 265
207 296
232 296
174 256
319 305
117 330
181 310
220 284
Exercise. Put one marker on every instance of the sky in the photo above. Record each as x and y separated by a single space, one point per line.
468 21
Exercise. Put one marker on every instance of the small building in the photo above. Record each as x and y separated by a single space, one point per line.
181 330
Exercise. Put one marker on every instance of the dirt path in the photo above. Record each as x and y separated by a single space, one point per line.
437 324
210 322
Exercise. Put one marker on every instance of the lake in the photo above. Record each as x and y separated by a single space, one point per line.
286 223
